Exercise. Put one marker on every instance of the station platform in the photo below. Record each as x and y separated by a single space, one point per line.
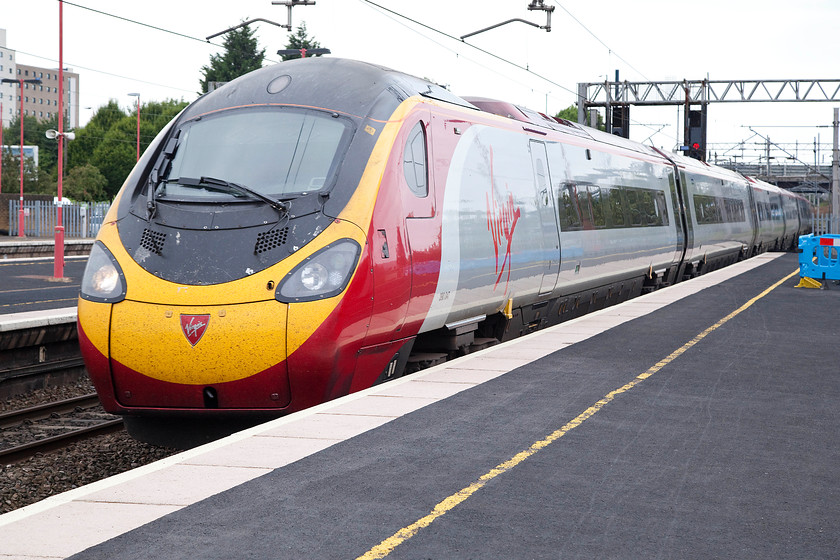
699 421
12 247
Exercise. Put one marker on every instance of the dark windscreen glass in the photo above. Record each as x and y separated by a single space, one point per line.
274 152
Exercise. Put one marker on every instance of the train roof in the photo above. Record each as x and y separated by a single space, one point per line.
349 86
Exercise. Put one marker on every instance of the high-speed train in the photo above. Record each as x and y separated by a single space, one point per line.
321 225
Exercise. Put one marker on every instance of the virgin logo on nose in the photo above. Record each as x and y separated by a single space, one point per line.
193 327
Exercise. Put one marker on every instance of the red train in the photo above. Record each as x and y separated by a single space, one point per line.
318 226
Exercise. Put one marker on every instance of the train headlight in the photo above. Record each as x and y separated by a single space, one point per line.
322 275
103 280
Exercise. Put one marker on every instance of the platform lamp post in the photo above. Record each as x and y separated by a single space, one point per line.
137 95
20 83
1 147
58 246
58 265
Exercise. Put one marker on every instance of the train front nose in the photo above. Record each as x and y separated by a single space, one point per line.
199 357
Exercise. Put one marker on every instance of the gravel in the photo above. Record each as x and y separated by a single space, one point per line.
81 463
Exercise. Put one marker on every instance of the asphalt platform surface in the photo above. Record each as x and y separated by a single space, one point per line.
729 449
29 284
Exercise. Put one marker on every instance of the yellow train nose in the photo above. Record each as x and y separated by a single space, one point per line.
197 346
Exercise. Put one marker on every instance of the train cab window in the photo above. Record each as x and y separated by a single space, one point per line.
274 153
414 161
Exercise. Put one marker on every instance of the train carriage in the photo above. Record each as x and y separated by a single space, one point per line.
321 225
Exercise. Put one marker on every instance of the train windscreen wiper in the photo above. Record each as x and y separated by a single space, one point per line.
281 206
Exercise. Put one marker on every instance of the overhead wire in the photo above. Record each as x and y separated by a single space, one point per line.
606 46
459 40
392 14
155 27
134 22
501 58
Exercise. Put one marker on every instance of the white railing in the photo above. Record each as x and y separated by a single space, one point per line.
39 218
826 224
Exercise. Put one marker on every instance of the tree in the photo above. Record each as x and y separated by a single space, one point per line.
115 155
85 184
240 57
36 180
108 141
300 40
80 150
104 149
570 113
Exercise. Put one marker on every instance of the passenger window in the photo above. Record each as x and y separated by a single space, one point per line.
567 208
598 219
414 161
612 198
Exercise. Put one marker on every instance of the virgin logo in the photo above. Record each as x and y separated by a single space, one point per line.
194 326
502 217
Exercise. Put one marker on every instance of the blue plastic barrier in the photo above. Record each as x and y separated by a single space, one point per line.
819 256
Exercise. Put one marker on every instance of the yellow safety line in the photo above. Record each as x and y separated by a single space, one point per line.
387 546
37 302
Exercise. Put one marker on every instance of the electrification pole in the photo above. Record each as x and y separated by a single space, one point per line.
835 176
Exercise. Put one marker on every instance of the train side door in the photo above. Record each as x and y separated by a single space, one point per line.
422 223
404 206
550 229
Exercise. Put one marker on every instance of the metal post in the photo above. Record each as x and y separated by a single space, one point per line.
582 98
20 210
767 155
1 146
137 95
835 174
58 251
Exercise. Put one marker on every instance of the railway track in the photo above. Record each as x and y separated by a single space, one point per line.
52 426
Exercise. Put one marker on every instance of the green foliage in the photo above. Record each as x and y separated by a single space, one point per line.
300 40
570 113
103 150
84 184
115 155
240 57
35 179
81 149
11 172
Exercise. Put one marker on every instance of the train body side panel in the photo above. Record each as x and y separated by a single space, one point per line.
719 208
492 240
595 256
770 221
